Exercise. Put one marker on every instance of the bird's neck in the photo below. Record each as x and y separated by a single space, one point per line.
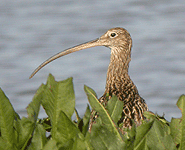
118 81
119 64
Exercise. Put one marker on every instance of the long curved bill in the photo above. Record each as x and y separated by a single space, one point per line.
68 51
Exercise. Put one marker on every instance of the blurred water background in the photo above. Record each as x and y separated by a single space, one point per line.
32 31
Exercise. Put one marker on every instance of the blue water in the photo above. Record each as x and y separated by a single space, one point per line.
32 31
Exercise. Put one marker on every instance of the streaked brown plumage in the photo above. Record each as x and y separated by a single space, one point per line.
118 81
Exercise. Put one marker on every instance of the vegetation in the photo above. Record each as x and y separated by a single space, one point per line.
58 131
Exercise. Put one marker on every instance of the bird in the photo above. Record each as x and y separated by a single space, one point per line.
118 81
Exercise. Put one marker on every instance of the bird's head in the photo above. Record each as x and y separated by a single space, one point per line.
116 37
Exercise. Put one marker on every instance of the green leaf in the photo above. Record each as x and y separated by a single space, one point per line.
102 138
129 136
79 143
3 144
115 108
77 117
88 141
51 145
39 138
69 136
67 132
66 129
108 125
158 135
142 145
7 116
63 93
178 125
58 96
161 120
181 105
24 128
34 107
176 130
85 120
155 131
142 132
97 106
83 124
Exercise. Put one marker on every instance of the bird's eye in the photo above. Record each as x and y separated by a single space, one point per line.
113 34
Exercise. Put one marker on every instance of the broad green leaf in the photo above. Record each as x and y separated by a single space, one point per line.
129 137
7 116
66 131
69 136
58 96
97 106
176 133
90 92
108 125
155 131
3 144
34 107
181 105
142 145
79 143
88 141
102 138
178 125
161 120
24 128
149 115
63 92
39 138
141 134
51 145
157 138
115 108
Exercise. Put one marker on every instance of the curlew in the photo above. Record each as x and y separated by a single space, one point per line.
118 81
